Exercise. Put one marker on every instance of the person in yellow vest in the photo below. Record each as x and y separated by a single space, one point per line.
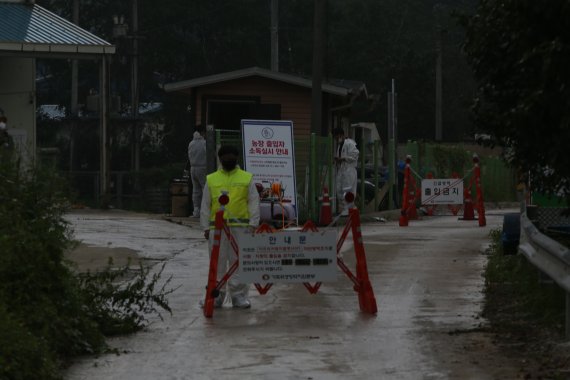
242 211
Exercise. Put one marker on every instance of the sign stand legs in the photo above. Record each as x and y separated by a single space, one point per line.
361 281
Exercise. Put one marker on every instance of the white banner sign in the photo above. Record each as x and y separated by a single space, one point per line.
269 154
442 191
287 256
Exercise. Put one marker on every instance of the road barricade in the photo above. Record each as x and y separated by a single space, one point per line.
448 191
289 252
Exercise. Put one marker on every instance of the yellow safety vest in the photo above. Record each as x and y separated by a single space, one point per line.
236 184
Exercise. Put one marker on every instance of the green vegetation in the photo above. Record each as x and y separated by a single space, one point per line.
519 55
497 178
451 159
48 314
367 40
121 307
516 299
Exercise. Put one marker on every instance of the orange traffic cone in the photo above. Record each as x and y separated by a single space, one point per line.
412 210
403 218
468 212
481 216
325 215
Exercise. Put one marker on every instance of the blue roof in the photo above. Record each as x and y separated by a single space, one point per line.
32 28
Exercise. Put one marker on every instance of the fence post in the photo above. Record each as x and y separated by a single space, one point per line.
362 178
212 138
332 190
480 202
313 178
119 189
375 160
392 176
567 324
97 188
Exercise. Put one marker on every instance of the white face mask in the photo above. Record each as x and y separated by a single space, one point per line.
2 125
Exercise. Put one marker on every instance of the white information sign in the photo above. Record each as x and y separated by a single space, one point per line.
269 154
287 256
442 191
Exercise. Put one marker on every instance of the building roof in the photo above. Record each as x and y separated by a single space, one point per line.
340 88
28 27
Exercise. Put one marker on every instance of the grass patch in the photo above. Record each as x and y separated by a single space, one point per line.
516 293
526 312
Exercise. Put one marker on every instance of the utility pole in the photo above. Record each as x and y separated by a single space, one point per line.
318 54
104 163
393 148
275 35
135 158
74 93
316 96
438 75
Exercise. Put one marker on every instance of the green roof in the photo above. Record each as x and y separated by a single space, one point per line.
29 27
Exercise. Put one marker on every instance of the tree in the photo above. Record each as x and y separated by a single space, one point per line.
368 40
520 53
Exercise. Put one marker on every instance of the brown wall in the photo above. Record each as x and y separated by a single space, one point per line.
295 100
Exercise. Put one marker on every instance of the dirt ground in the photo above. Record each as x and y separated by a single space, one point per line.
542 351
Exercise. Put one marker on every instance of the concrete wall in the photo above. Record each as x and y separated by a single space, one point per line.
17 99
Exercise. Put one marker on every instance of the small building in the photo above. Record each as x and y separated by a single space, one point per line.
29 32
222 100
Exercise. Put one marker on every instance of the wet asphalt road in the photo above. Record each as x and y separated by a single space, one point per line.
428 286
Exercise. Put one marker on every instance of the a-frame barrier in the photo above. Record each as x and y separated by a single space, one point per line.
411 195
360 279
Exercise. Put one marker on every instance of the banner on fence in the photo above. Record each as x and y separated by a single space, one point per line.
290 256
442 191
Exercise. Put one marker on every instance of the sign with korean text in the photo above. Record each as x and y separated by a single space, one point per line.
287 256
268 153
442 191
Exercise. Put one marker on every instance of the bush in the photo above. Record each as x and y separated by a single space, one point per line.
22 355
37 287
47 313
121 307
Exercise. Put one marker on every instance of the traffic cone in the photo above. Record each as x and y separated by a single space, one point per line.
403 218
454 209
481 216
325 215
468 212
412 209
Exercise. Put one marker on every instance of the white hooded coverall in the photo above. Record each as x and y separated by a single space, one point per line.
197 158
346 170
227 255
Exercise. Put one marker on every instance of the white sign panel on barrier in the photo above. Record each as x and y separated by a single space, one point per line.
269 154
287 256
442 191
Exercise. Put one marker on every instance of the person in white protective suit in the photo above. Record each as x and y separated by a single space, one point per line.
345 158
197 159
241 212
